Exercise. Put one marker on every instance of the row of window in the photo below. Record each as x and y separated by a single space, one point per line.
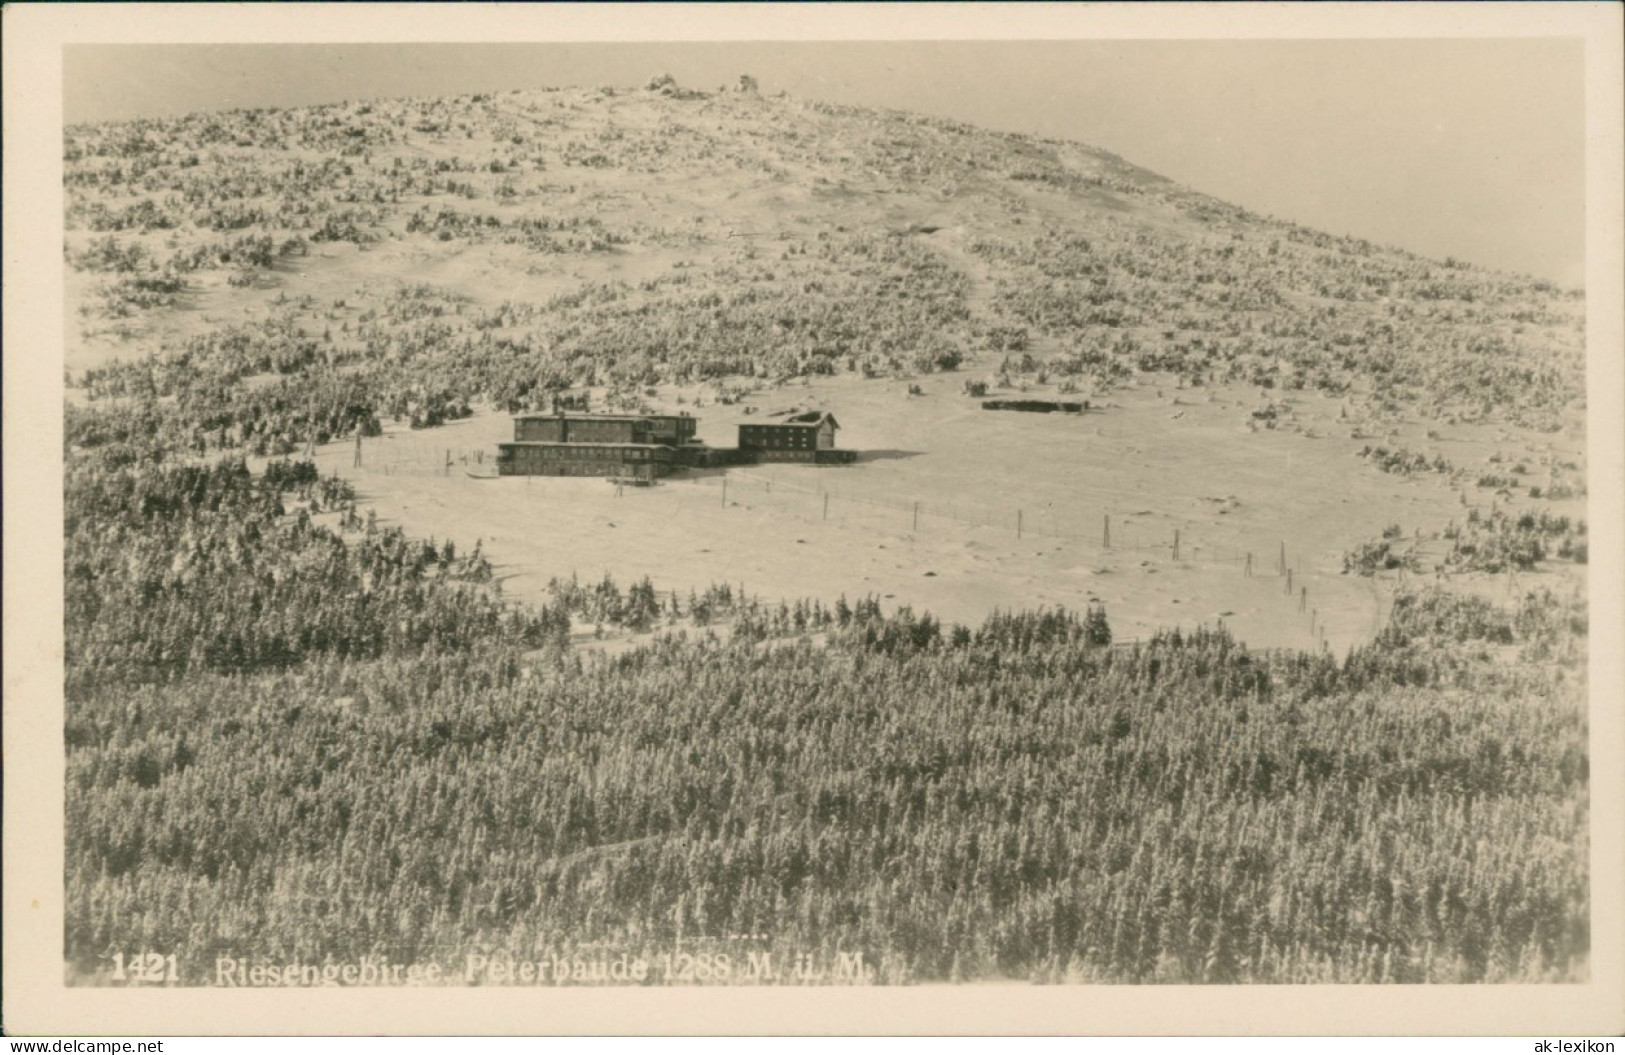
584 453
777 438
594 470
581 435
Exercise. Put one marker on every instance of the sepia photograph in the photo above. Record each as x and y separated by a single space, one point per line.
981 505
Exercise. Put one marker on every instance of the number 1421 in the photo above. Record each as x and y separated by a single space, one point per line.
145 967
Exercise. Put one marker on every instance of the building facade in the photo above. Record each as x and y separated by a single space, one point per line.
638 461
808 437
671 429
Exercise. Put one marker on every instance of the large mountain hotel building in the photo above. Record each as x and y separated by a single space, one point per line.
647 446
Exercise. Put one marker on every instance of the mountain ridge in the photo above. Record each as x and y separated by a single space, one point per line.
1106 268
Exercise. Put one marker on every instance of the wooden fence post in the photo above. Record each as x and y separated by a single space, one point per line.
916 516
1018 523
1289 582
1108 531
1176 543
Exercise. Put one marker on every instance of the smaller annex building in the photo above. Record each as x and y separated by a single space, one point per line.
807 437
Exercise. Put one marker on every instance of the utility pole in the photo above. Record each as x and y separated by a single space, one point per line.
310 440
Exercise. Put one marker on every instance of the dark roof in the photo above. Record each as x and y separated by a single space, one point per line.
588 443
809 419
547 416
